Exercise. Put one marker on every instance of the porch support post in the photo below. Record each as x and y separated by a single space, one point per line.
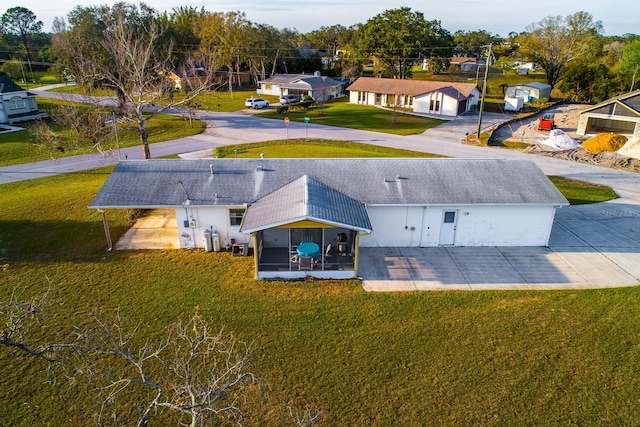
105 224
257 254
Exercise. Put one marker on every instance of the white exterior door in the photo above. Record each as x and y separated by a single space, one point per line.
448 228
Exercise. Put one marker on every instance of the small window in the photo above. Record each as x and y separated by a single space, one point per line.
17 104
449 217
235 216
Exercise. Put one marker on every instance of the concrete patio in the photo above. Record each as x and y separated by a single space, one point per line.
591 246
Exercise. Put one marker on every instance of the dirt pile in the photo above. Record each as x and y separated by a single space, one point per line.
631 148
560 141
605 159
604 142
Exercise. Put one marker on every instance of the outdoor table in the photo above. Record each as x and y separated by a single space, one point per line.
308 249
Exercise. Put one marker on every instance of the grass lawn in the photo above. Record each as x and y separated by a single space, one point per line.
565 357
581 192
341 113
301 148
21 147
222 101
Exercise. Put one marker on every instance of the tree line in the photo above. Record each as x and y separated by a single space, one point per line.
573 51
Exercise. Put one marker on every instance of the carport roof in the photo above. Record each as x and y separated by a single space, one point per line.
374 181
306 199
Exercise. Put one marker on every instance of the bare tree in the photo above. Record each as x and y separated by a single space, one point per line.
306 417
193 371
140 72
18 319
135 59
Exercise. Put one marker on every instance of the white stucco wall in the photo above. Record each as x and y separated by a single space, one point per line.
216 219
475 225
445 105
271 90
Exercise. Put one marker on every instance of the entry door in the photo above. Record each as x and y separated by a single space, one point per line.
448 228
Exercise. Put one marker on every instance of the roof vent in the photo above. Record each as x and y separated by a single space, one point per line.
211 169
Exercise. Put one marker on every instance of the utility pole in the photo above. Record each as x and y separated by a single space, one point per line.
484 90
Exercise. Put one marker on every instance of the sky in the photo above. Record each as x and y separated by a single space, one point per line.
496 16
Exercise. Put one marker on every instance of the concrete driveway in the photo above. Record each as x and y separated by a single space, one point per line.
591 246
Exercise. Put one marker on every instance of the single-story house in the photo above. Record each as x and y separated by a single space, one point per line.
419 96
529 92
17 104
184 78
273 206
464 63
620 114
316 86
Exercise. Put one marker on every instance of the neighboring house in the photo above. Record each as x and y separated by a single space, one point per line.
185 79
529 92
464 64
620 114
419 96
314 85
274 205
17 104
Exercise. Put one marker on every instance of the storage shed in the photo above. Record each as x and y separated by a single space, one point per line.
531 91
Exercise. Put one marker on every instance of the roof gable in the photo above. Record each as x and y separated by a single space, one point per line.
7 85
305 199
629 102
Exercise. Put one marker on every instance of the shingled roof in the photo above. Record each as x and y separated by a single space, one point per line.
409 87
381 181
8 86
306 199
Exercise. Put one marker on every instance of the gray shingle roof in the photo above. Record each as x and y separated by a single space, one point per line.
7 85
400 181
301 81
306 199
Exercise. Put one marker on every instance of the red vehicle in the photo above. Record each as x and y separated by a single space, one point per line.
547 122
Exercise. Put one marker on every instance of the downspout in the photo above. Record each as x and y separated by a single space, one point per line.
105 224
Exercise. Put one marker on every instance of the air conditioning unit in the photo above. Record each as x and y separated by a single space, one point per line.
193 223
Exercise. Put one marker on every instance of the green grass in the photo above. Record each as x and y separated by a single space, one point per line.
567 357
226 101
341 113
301 148
218 101
581 192
21 147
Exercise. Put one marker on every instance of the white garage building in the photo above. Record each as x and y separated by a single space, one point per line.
272 206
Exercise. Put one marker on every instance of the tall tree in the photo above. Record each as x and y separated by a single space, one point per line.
400 38
474 43
555 41
134 58
21 22
630 62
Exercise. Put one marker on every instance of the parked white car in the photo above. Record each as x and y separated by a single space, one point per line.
289 99
256 103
